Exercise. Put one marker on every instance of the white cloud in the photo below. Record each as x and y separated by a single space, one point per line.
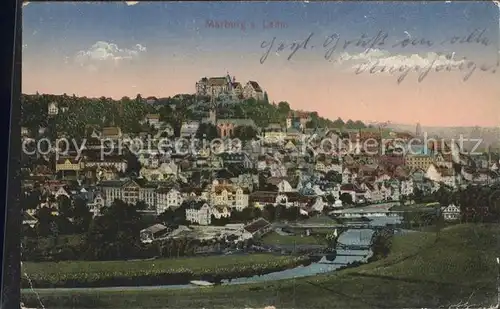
384 58
104 52
394 63
129 3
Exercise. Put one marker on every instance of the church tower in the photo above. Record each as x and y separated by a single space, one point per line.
418 130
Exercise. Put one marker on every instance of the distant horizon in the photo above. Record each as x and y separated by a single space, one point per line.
162 49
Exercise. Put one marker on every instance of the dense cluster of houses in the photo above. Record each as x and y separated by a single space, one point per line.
286 165
276 173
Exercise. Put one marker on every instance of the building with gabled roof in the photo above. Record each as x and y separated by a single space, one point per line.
253 90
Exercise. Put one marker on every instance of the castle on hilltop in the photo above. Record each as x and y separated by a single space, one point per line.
228 87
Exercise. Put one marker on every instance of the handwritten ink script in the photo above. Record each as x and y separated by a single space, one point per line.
376 59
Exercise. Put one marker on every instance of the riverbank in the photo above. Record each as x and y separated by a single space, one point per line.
422 270
274 238
155 272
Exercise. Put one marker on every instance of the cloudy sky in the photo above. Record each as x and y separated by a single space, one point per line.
160 49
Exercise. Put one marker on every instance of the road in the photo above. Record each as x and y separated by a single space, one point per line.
375 208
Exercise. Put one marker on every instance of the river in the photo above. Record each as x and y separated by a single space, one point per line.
361 237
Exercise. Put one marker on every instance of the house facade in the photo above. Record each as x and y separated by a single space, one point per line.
451 213
199 213
253 90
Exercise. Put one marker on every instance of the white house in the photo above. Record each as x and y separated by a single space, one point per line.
372 192
96 205
153 120
253 90
53 109
220 212
406 187
189 129
61 192
451 213
199 213
228 195
166 199
348 176
318 205
442 174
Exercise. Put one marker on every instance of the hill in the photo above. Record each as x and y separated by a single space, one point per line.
80 113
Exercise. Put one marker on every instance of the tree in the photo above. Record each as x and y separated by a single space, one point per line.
439 224
165 113
382 243
81 216
64 206
339 123
168 216
280 212
358 124
346 199
133 164
207 131
45 218
245 133
330 198
283 108
30 200
141 205
443 196
333 176
269 212
114 234
311 124
418 195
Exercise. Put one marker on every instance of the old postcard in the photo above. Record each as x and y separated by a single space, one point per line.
260 155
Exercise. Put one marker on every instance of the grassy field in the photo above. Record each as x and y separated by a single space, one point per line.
193 263
422 271
153 272
274 238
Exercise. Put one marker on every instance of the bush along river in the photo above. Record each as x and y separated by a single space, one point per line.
291 267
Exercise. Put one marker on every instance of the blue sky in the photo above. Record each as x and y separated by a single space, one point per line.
156 24
162 48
